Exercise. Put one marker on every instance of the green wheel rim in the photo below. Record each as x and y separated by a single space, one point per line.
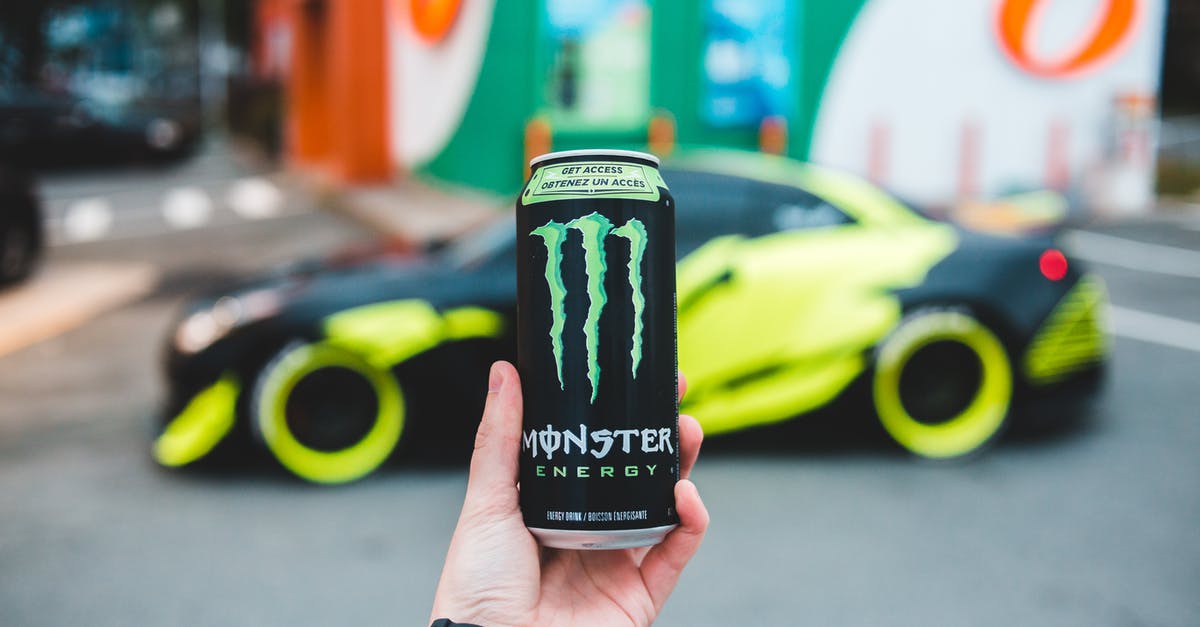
347 464
970 428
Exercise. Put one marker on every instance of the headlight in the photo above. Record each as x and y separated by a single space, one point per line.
201 329
163 134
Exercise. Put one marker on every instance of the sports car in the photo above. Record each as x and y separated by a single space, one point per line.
797 286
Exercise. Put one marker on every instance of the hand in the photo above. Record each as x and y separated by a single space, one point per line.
497 574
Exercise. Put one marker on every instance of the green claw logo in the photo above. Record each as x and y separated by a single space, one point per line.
594 228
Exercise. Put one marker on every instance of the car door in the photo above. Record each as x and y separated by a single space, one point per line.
763 333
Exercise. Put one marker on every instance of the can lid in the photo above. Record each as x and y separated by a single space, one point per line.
593 152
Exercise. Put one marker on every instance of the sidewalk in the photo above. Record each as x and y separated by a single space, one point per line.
411 211
415 213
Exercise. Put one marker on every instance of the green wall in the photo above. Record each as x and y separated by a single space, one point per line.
487 152
825 27
675 66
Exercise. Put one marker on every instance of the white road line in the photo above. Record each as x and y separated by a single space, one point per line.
1133 255
254 198
186 207
57 237
87 219
1153 328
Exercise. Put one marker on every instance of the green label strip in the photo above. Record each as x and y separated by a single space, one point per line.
593 179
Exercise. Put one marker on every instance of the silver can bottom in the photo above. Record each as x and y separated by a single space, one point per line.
600 540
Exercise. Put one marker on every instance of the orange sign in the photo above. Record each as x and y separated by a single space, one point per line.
432 19
1113 28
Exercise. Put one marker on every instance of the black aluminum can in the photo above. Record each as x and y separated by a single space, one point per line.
596 349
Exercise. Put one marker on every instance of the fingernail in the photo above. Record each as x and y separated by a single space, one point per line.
495 379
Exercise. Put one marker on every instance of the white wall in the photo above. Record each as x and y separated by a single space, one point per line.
923 69
431 83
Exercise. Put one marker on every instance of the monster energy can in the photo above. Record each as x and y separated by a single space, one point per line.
597 351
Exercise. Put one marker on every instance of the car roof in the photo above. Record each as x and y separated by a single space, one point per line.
861 200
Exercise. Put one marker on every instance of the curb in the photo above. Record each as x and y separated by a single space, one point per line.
409 212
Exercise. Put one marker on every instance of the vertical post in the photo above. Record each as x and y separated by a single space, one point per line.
538 140
307 117
1057 156
878 149
660 134
968 161
357 87
772 135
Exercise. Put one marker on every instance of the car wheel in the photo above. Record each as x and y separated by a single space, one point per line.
18 252
943 384
326 414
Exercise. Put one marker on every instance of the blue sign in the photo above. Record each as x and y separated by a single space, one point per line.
747 61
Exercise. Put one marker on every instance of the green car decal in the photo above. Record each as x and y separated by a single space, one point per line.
390 332
1072 338
761 342
202 424
383 334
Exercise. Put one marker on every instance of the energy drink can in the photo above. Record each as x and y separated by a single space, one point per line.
596 349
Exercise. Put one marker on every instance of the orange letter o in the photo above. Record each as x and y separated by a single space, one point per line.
1014 21
432 19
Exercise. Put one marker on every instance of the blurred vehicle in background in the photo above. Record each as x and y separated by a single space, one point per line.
798 287
42 128
87 83
20 225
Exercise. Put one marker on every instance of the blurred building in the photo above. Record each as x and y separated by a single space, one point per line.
941 100
87 81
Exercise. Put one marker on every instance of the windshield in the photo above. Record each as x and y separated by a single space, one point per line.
488 242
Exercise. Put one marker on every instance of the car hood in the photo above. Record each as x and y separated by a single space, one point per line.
312 289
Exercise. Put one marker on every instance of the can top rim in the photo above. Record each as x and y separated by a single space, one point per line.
593 152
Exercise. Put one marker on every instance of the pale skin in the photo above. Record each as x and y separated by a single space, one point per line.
497 574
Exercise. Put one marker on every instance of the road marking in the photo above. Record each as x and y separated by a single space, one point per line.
1153 328
124 232
1133 255
64 296
186 207
87 219
254 198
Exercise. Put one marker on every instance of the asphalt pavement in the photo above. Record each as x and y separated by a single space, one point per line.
1093 523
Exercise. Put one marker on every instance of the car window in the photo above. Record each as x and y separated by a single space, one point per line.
493 243
787 208
707 206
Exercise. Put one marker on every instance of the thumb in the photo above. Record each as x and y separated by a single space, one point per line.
498 440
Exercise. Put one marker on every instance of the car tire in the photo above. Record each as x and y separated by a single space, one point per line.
942 384
326 414
20 248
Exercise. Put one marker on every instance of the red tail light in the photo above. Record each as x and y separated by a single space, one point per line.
1053 264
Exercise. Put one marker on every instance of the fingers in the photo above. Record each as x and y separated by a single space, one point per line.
664 563
498 440
682 385
690 437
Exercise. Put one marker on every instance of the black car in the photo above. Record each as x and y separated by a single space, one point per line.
20 225
797 287
39 128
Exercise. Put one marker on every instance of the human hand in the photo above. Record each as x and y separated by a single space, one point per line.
497 574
